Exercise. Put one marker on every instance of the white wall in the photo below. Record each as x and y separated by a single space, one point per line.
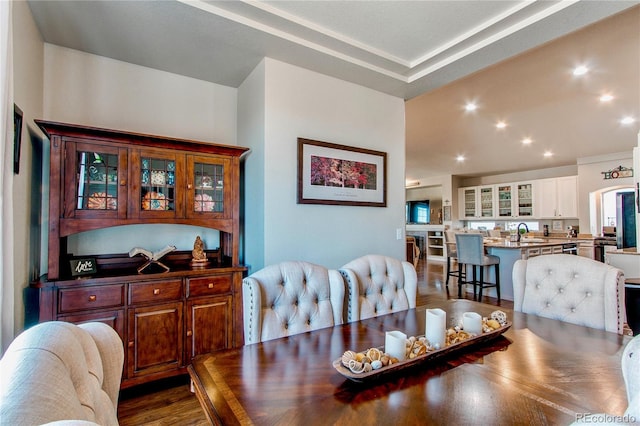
301 103
591 179
28 53
93 90
251 116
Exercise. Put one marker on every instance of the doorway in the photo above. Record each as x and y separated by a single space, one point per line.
602 207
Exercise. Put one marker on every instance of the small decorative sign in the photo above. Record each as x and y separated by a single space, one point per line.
618 172
83 267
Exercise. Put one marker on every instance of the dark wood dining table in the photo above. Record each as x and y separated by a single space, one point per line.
539 372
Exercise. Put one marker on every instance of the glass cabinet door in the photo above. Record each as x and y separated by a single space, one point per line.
470 202
486 201
96 188
208 188
505 201
525 199
157 183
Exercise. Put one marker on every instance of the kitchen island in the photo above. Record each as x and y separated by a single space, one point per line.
627 259
509 252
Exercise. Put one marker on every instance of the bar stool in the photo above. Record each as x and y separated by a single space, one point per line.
452 254
470 250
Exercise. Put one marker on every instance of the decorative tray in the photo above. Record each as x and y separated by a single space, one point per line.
419 359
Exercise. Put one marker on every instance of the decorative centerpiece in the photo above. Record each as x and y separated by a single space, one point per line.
402 352
198 255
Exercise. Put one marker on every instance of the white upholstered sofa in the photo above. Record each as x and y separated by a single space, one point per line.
61 373
570 288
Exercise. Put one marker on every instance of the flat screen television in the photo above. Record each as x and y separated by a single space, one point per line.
418 212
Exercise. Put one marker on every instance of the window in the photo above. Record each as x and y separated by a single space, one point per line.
511 226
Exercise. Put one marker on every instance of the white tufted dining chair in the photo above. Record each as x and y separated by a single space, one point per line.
289 298
631 373
570 288
378 285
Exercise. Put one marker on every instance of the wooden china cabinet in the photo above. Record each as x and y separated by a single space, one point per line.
101 178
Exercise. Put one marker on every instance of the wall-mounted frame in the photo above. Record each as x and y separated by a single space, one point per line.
329 173
17 137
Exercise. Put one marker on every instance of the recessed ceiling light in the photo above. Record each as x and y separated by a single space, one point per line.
627 120
548 153
607 97
501 125
460 158
471 106
580 70
526 141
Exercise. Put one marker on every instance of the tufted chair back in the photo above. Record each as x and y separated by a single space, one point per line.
289 298
570 288
378 285
631 374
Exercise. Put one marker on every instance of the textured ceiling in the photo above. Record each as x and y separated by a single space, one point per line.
404 48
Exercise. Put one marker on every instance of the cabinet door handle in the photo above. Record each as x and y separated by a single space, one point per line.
189 333
156 291
130 344
123 182
189 186
92 298
210 285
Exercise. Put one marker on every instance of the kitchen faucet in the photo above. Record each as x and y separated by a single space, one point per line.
518 229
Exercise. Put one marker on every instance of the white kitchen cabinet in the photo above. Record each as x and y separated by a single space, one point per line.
477 202
506 204
500 201
524 199
468 198
556 197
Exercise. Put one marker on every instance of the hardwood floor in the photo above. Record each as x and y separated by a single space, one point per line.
170 402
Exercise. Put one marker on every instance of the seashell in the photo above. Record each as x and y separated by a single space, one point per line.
374 354
366 368
412 355
359 356
348 356
377 364
365 360
355 366
393 360
451 332
385 359
499 316
422 350
493 324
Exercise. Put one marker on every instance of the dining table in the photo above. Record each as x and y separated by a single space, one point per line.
539 371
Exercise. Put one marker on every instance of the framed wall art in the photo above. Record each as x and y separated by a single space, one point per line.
329 173
17 137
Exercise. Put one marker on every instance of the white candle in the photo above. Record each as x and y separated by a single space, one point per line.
435 327
472 323
395 344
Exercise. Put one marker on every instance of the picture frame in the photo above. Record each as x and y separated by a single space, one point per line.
334 174
17 137
446 213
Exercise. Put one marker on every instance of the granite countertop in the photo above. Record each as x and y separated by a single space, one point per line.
629 250
527 242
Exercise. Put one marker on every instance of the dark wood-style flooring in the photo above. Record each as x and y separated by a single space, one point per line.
170 402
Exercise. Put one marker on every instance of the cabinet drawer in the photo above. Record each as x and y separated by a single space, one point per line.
156 291
96 297
206 286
